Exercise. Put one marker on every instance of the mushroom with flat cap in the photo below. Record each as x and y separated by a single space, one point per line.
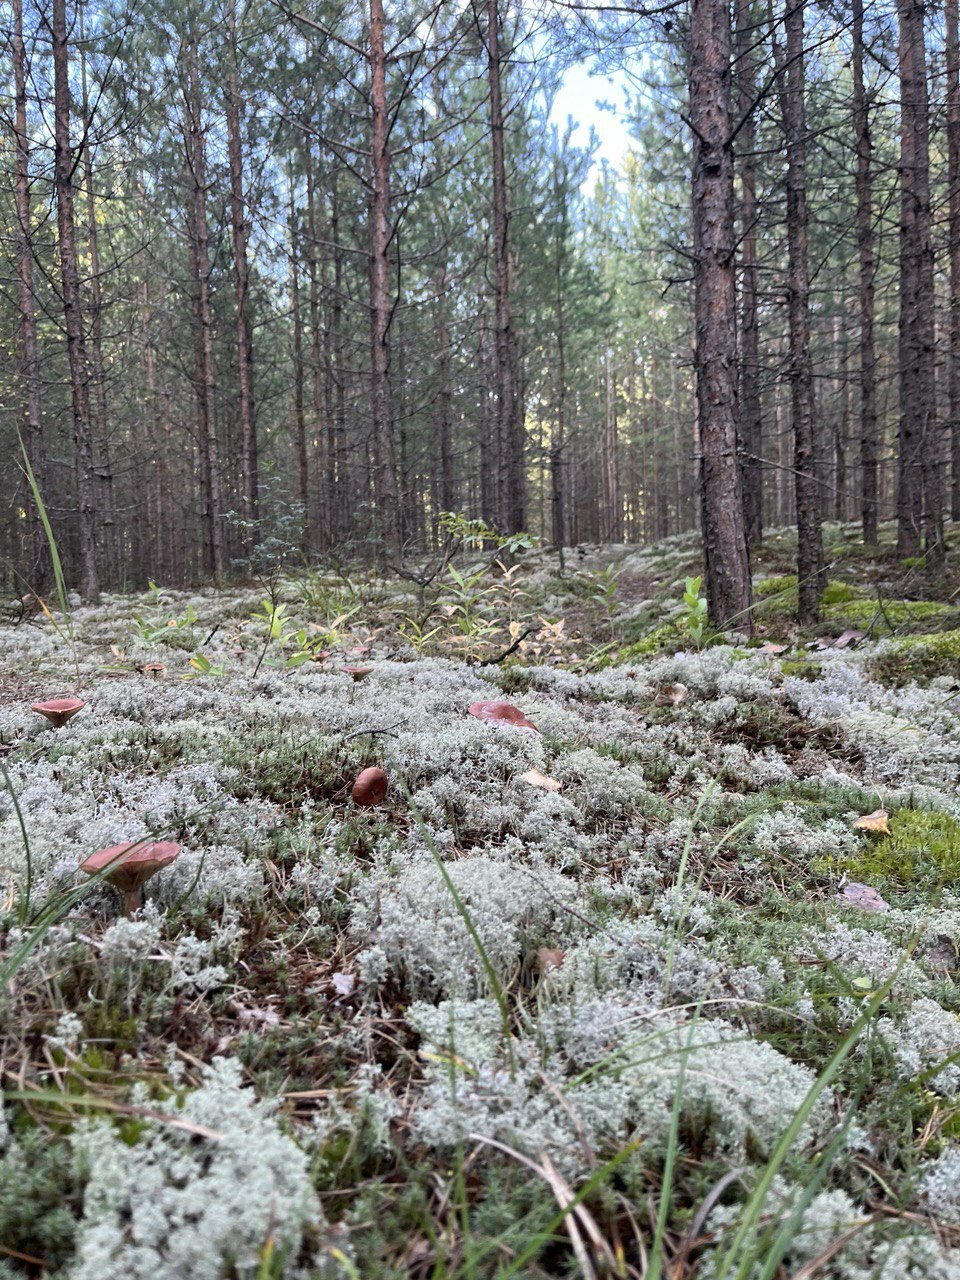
356 673
130 865
58 710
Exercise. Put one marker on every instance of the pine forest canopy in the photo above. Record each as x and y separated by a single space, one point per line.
322 272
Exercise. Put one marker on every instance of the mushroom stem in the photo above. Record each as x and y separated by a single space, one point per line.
132 901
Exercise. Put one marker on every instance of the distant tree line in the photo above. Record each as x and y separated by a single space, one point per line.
331 268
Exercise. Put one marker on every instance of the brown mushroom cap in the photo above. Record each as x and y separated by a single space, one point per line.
58 710
130 865
357 673
369 788
671 695
502 713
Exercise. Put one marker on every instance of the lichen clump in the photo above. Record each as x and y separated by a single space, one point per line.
326 1013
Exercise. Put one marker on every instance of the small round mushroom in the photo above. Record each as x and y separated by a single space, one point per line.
131 865
369 788
58 710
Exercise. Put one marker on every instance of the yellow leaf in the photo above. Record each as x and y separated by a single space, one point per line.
876 821
538 779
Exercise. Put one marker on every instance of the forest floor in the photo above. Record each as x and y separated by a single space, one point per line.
659 979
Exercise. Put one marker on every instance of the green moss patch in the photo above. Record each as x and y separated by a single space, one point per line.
918 658
887 616
922 849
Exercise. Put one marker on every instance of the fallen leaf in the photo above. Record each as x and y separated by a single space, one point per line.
538 779
848 639
876 821
671 695
942 956
344 983
502 713
549 958
863 896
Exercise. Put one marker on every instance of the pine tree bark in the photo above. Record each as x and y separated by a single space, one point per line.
205 374
40 567
63 163
103 466
249 457
950 14
558 432
919 488
751 424
510 482
381 310
715 357
316 353
299 413
445 396
809 535
866 282
338 497
610 516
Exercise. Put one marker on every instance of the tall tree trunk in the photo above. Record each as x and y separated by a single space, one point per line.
610 521
867 272
381 310
300 418
715 359
249 460
950 13
445 397
203 337
316 349
509 423
338 496
63 163
749 388
809 535
841 421
558 430
919 490
40 568
103 466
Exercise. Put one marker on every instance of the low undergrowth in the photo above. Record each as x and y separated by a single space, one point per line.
627 994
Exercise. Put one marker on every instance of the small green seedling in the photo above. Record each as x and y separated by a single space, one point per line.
695 618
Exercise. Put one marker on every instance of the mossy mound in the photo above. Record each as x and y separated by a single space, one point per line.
919 658
921 849
777 597
883 617
669 635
